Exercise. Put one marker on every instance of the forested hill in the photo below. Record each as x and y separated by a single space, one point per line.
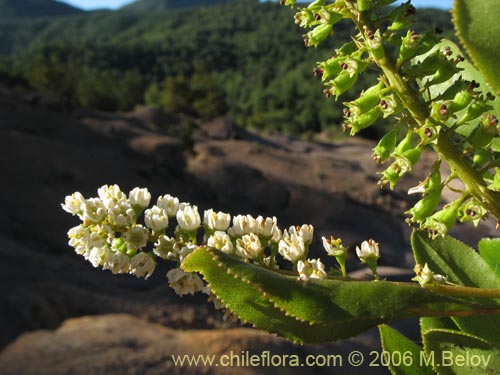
158 5
240 58
35 8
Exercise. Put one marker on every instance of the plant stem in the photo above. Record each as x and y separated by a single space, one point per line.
444 147
464 291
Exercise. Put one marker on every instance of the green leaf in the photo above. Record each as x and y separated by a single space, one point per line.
469 73
453 353
317 310
408 356
462 265
489 248
452 258
429 323
478 29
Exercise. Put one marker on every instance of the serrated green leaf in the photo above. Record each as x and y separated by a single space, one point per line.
317 310
478 29
395 342
462 265
453 353
489 249
452 258
429 323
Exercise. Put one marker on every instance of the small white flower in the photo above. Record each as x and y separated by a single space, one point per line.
249 246
136 237
276 235
94 210
311 269
218 221
266 227
79 239
369 249
188 218
243 225
117 262
221 241
111 195
184 282
333 246
142 265
423 275
121 214
291 247
164 246
74 204
169 204
139 197
306 231
156 218
185 251
98 256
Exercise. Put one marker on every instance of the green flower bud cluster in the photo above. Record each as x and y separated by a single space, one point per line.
422 87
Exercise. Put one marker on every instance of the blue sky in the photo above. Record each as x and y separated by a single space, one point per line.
113 4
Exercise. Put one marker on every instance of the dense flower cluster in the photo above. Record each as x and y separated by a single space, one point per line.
111 236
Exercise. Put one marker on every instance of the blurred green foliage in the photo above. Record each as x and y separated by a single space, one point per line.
243 59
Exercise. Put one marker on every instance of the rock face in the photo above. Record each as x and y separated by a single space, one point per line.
123 344
48 153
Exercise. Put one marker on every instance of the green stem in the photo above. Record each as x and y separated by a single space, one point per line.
464 291
444 147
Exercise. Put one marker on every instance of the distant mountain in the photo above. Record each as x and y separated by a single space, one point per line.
159 5
35 8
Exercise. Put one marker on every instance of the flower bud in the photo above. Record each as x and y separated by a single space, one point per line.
266 227
311 269
374 43
440 223
139 197
341 83
365 120
292 246
216 221
474 110
156 219
405 144
391 175
249 246
169 204
188 218
409 158
366 101
385 146
221 241
369 254
445 71
409 45
424 207
318 34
